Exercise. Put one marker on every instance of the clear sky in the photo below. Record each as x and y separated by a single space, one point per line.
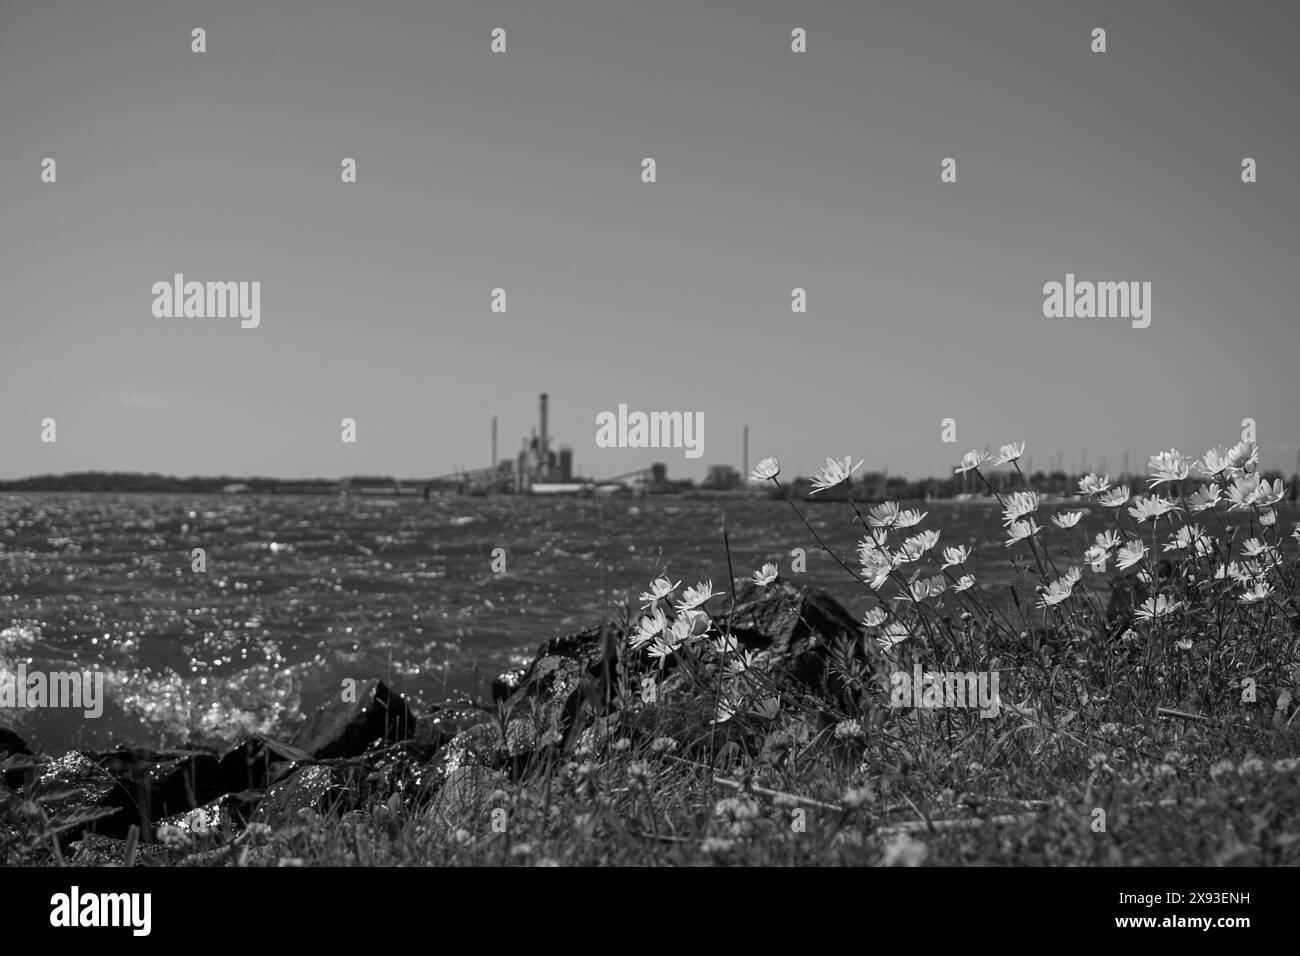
523 170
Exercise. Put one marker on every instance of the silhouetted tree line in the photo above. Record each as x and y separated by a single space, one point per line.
125 482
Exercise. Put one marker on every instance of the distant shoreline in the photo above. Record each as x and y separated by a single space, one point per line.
872 487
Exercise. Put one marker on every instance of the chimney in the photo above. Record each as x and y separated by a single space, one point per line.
542 444
744 465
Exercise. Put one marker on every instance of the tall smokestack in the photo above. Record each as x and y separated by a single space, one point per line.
494 441
744 465
542 445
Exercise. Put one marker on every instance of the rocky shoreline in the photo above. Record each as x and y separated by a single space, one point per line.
377 752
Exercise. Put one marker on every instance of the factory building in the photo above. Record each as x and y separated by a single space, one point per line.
538 464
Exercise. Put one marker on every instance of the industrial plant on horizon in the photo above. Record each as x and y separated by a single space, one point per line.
541 470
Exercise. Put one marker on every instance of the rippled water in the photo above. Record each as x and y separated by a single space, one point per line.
300 592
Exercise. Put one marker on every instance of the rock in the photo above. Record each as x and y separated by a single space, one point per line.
554 683
797 626
568 671
162 783
785 619
317 789
12 749
228 812
444 721
255 763
96 850
407 770
11 743
108 792
345 729
506 683
465 794
486 745
602 732
74 791
595 648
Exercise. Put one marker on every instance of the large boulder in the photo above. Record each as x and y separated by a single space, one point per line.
795 626
488 745
256 762
567 670
346 728
443 721
305 792
407 770
76 794
157 784
465 795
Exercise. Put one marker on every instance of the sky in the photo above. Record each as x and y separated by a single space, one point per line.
523 170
